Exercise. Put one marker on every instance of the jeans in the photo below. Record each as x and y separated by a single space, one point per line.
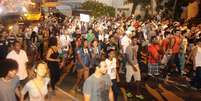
181 61
115 89
196 81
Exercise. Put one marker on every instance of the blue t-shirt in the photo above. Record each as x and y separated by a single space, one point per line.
85 57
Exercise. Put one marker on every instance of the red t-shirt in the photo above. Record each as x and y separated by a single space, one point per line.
176 46
154 56
165 43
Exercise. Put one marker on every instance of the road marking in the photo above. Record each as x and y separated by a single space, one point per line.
170 96
154 93
67 94
178 88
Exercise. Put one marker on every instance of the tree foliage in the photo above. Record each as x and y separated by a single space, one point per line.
98 9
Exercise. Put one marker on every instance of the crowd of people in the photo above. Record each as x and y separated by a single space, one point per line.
110 55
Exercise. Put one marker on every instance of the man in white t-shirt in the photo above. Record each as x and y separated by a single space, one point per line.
65 41
196 54
20 56
111 63
125 40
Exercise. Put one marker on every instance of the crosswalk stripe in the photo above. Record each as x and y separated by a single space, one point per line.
154 93
67 94
170 96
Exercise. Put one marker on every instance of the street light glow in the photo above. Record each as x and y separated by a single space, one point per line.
1 10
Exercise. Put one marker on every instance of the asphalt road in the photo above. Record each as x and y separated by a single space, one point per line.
153 89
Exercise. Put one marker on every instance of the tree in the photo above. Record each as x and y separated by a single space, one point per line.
98 9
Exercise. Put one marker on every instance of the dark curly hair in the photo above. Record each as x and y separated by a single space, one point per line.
7 65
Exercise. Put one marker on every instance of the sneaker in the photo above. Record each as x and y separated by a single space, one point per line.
183 73
149 74
141 97
193 88
156 74
129 94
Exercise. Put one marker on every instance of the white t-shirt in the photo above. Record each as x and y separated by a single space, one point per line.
106 37
198 58
35 92
111 68
101 37
21 59
65 41
125 42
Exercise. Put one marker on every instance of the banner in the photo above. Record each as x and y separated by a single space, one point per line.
84 17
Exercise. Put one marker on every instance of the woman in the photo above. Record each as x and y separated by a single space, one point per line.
95 51
37 87
82 64
53 62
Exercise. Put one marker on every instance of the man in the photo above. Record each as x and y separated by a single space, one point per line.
154 54
76 33
132 66
20 56
182 53
175 43
65 40
90 36
125 40
196 55
98 86
3 48
111 45
9 82
111 63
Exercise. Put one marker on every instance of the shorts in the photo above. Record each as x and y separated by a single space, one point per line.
78 66
131 73
153 69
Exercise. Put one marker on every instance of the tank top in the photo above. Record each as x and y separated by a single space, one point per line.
54 55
